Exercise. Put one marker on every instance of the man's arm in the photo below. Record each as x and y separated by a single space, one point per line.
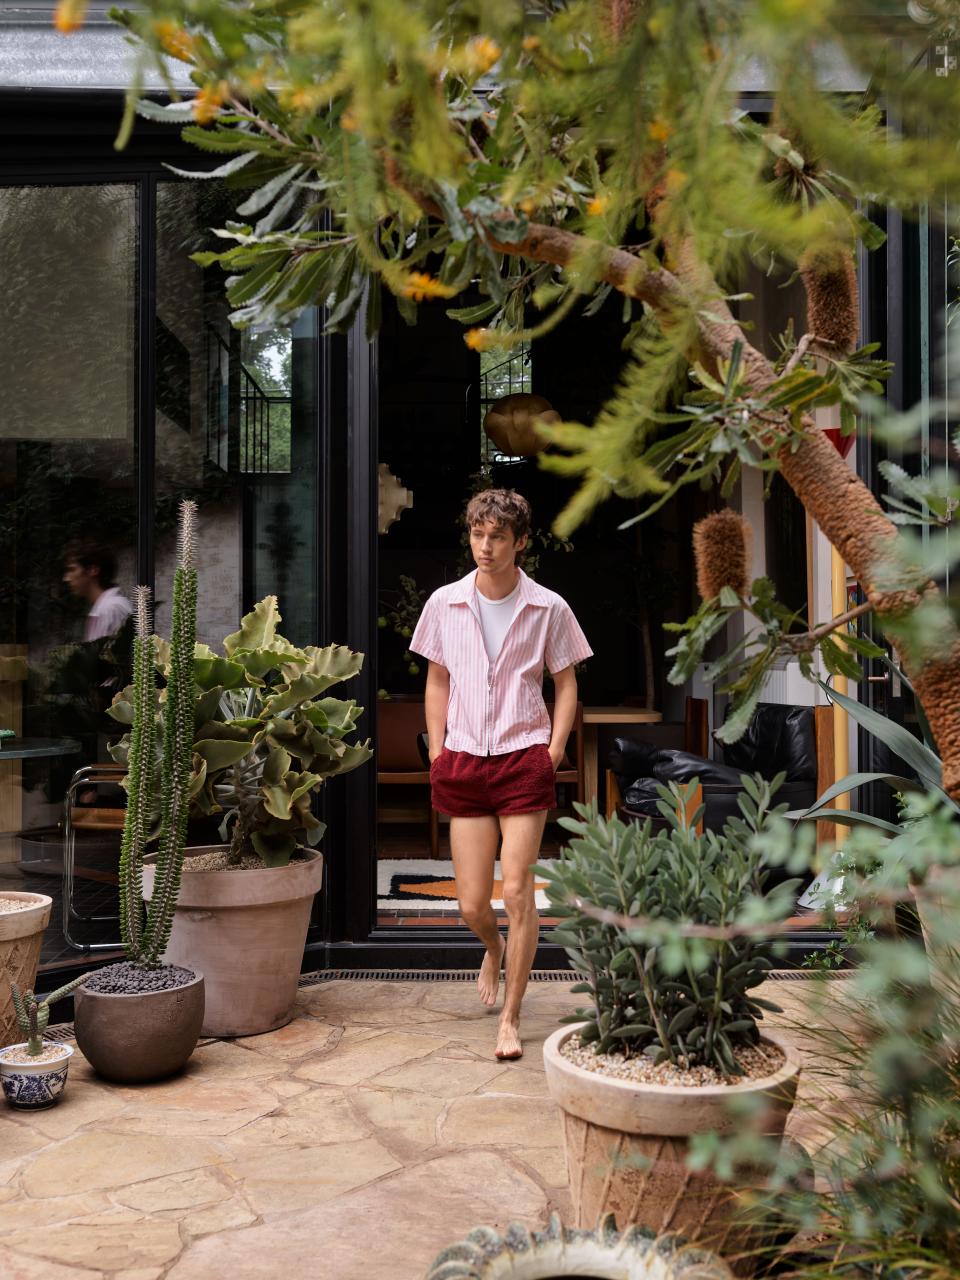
436 699
564 712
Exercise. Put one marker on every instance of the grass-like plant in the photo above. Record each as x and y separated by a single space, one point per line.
666 929
145 937
33 1014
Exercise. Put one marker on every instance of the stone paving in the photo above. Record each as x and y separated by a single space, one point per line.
354 1143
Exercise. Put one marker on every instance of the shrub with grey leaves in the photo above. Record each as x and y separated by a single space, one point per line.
671 931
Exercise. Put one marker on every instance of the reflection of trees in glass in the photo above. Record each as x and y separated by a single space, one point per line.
268 356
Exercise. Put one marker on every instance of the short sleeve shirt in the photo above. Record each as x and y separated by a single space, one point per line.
496 707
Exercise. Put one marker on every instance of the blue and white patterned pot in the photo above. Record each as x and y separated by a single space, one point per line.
32 1085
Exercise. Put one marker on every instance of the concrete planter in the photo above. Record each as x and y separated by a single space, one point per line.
626 1146
30 1086
245 931
558 1251
132 1039
21 936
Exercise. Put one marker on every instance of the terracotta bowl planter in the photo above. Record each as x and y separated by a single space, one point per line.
626 1146
21 936
132 1039
30 1086
245 931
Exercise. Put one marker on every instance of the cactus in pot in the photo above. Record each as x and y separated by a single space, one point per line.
121 1042
34 1072
266 737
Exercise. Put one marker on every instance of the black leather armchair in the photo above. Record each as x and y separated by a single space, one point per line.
779 739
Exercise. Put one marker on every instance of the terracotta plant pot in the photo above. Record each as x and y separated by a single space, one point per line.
132 1039
245 931
626 1147
21 936
30 1086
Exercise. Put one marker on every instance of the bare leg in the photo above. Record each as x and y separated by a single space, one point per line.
473 846
522 833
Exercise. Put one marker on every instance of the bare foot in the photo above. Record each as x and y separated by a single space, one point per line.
488 984
508 1042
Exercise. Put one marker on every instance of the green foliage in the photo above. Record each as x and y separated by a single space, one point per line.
742 671
262 734
655 983
33 1015
368 142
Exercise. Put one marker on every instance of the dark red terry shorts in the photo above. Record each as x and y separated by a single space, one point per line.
466 786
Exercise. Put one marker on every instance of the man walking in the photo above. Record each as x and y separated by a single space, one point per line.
493 751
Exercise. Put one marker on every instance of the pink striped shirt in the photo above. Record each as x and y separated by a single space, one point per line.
498 707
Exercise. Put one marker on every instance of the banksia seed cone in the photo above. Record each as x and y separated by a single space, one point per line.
722 551
830 280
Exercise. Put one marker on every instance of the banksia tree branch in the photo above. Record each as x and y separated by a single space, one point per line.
140 780
177 744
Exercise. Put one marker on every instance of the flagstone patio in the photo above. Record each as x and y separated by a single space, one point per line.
354 1143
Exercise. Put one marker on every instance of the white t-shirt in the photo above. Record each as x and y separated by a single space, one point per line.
107 614
495 619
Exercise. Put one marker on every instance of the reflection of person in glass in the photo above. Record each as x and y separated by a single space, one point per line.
90 572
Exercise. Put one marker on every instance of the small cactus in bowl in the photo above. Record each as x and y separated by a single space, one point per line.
34 1072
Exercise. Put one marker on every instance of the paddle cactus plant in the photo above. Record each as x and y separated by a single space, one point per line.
558 1251
264 736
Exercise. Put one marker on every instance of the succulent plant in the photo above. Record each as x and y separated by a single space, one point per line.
558 1251
263 736
659 986
33 1015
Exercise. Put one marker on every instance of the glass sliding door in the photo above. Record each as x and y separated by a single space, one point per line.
68 513
235 430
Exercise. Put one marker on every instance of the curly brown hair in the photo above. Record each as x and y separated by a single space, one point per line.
501 507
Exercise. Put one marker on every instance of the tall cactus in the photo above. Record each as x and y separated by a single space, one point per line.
145 943
177 745
140 780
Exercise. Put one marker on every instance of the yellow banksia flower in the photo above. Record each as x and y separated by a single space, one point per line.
69 15
479 339
659 130
598 206
421 286
530 43
528 205
348 121
207 103
482 53
175 41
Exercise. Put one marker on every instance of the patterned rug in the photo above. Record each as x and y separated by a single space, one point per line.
424 884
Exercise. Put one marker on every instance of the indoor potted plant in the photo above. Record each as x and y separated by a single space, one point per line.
140 1020
34 1072
23 918
654 924
266 739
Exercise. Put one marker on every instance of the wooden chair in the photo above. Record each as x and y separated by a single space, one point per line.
571 771
399 763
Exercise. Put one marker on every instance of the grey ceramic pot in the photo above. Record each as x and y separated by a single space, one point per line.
132 1039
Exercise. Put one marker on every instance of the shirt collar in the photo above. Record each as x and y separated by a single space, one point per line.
463 591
